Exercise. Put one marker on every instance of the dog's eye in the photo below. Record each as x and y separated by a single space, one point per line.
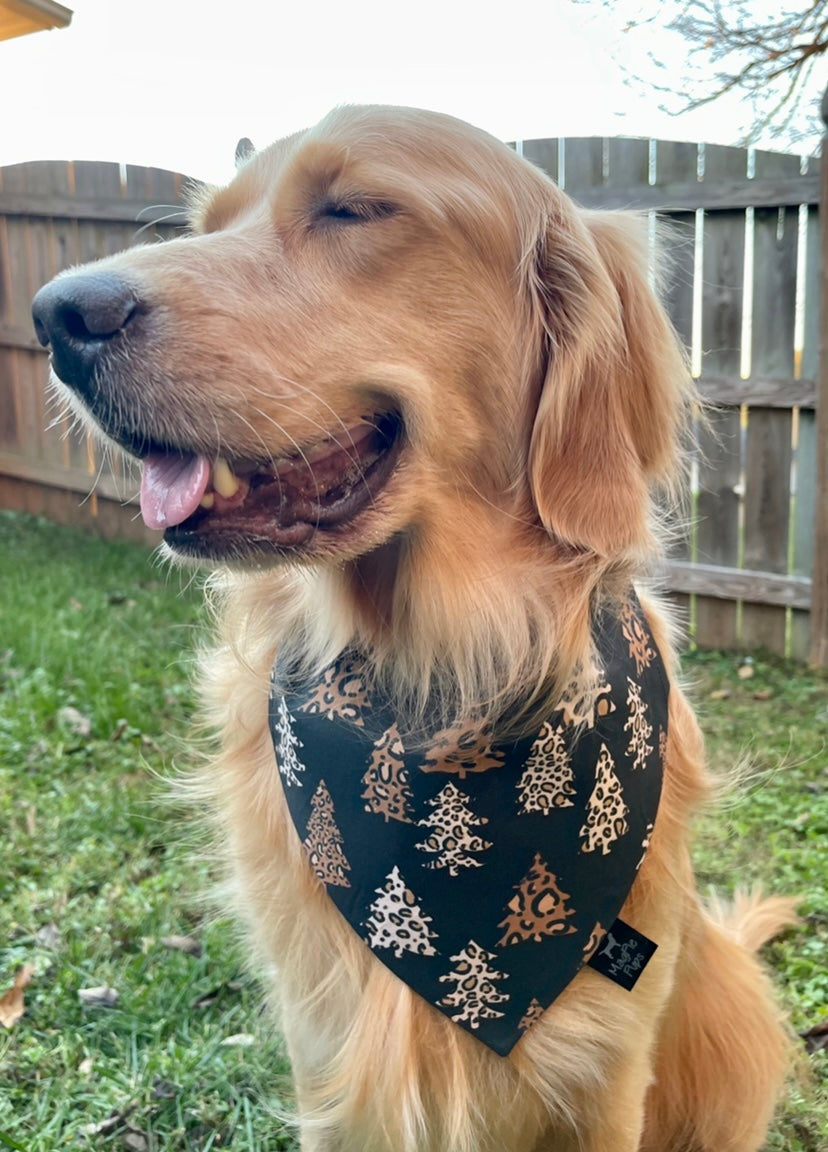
343 212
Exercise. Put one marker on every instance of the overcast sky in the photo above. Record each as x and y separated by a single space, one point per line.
174 83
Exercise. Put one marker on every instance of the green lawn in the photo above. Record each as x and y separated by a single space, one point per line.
98 870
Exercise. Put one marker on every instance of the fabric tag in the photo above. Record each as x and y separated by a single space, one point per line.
622 955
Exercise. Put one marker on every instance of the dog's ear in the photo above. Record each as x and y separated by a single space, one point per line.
244 150
616 389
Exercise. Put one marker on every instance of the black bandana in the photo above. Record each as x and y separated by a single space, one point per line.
483 874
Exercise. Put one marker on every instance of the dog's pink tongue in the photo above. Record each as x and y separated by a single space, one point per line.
172 488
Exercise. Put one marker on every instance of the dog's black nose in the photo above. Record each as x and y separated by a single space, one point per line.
79 315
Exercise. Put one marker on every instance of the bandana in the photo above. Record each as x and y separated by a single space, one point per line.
483 874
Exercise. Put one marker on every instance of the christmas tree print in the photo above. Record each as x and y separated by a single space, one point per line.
324 841
537 909
475 989
341 693
397 921
461 749
637 638
662 745
531 1016
637 725
386 781
586 697
288 762
606 810
595 937
452 840
547 781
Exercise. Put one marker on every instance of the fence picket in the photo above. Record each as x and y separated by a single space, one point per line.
677 163
720 459
769 431
805 452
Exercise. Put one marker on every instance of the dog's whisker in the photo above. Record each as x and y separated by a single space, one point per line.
299 451
296 386
350 449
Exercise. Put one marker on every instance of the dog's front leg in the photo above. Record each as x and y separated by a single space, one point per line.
618 1122
612 1118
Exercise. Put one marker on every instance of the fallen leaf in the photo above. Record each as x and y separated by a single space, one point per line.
186 944
816 1038
119 730
746 672
763 694
12 1003
102 997
211 997
75 605
164 1089
38 751
239 1040
31 820
136 1141
48 936
113 1122
85 1067
720 694
75 721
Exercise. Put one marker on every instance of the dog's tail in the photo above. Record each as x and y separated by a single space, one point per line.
751 918
725 1052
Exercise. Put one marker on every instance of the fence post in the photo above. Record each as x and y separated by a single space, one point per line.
819 584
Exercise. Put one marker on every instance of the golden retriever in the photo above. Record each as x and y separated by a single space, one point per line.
409 401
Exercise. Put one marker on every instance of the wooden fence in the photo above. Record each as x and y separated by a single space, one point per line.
743 293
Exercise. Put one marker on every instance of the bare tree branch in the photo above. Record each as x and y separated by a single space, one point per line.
732 49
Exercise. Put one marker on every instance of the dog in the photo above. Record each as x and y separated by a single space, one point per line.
424 418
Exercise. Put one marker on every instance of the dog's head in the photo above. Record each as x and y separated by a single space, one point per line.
383 326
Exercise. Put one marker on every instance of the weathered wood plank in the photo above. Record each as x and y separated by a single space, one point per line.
63 248
583 166
716 580
543 153
23 381
819 619
759 391
676 262
769 432
805 452
74 479
720 450
627 162
96 239
9 415
18 336
165 215
89 208
724 196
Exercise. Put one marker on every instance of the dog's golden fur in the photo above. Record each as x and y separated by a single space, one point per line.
544 399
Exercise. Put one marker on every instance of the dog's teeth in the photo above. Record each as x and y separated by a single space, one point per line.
317 451
224 481
208 500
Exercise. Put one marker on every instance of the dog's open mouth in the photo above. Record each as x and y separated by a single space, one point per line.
236 505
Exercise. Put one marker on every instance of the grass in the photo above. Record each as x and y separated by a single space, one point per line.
97 870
